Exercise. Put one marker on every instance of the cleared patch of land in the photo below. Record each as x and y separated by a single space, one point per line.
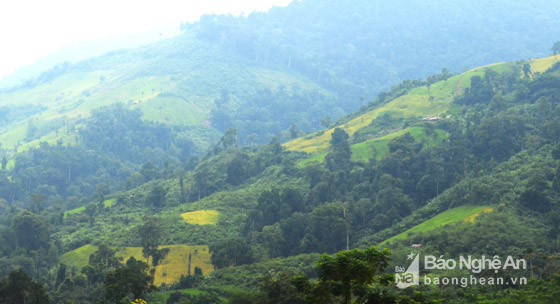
378 147
543 64
169 270
201 217
455 215
107 203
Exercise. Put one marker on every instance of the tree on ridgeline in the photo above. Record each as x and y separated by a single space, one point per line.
556 48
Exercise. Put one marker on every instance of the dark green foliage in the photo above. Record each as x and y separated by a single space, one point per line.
481 91
150 233
278 289
30 230
15 112
236 170
156 197
556 48
343 274
115 130
535 195
405 144
391 198
202 298
247 277
498 137
60 274
103 258
127 282
189 281
327 226
339 154
230 252
18 288
275 205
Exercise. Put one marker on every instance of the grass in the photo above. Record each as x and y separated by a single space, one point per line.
10 165
174 265
107 203
171 109
78 257
201 217
378 147
455 215
543 64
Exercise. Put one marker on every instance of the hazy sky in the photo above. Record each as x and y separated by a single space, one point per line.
30 29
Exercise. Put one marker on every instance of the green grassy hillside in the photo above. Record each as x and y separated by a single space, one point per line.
377 147
177 87
455 215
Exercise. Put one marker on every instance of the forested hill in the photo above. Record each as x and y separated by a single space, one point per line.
278 73
479 176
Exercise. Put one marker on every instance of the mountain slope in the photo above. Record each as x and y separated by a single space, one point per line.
435 100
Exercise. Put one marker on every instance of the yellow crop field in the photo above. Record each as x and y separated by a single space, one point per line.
176 263
201 217
542 64
170 269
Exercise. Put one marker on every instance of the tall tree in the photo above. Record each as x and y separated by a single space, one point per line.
150 234
18 288
231 252
156 197
129 280
338 157
342 274
31 231
556 48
